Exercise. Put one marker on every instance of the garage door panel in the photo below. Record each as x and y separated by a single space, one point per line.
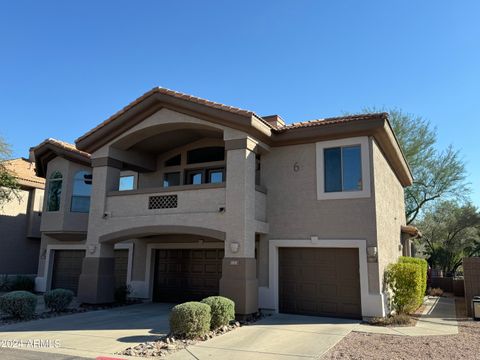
67 267
192 274
319 281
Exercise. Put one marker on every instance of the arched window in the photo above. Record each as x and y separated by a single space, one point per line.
82 188
54 191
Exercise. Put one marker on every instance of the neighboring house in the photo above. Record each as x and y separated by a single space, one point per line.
20 221
182 198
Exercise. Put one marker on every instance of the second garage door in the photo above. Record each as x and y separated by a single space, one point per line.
67 267
186 274
314 281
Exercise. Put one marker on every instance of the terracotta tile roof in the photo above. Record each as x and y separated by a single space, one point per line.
411 230
24 172
334 120
178 95
63 145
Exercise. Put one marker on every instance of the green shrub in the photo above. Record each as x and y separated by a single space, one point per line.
24 283
121 294
223 310
424 266
19 304
405 280
58 299
190 319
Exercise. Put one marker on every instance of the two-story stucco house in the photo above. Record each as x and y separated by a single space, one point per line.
183 198
20 220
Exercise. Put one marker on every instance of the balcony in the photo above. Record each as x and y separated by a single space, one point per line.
193 205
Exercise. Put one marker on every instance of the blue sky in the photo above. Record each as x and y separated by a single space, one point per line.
66 66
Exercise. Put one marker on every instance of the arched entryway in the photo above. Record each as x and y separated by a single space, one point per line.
174 263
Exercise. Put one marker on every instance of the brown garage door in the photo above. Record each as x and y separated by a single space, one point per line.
323 282
186 274
121 267
67 267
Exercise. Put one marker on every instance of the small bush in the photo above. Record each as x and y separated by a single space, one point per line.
121 294
190 319
23 283
19 304
435 292
223 310
405 280
423 265
58 299
393 320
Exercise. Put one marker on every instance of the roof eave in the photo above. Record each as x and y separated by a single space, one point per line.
47 151
152 102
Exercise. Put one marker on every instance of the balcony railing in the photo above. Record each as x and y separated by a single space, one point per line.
189 199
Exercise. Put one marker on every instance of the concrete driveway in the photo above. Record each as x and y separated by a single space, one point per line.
105 332
279 336
92 333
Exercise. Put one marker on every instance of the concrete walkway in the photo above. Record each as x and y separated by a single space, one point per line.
279 336
438 318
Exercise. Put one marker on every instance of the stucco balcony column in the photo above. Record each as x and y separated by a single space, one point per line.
239 281
97 280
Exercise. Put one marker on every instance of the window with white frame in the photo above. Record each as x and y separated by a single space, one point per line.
343 169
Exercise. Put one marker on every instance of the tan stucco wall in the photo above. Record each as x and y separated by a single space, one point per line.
19 253
64 220
295 213
46 241
389 210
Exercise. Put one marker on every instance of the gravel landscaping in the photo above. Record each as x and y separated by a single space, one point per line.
464 345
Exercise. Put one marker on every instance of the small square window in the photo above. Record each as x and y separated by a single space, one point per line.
215 176
171 179
194 177
126 183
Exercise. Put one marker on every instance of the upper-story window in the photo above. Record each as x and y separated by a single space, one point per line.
54 191
343 168
196 175
206 154
127 182
82 189
174 161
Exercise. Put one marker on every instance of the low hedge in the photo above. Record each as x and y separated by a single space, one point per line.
190 319
19 304
405 280
223 310
24 283
424 266
58 299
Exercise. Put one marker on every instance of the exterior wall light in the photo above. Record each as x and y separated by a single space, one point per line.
91 248
372 253
234 246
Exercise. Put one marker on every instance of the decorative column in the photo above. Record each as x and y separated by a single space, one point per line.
239 274
97 280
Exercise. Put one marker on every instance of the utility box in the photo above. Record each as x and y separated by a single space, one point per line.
476 308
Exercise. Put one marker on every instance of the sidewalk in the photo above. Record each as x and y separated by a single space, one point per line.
439 318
